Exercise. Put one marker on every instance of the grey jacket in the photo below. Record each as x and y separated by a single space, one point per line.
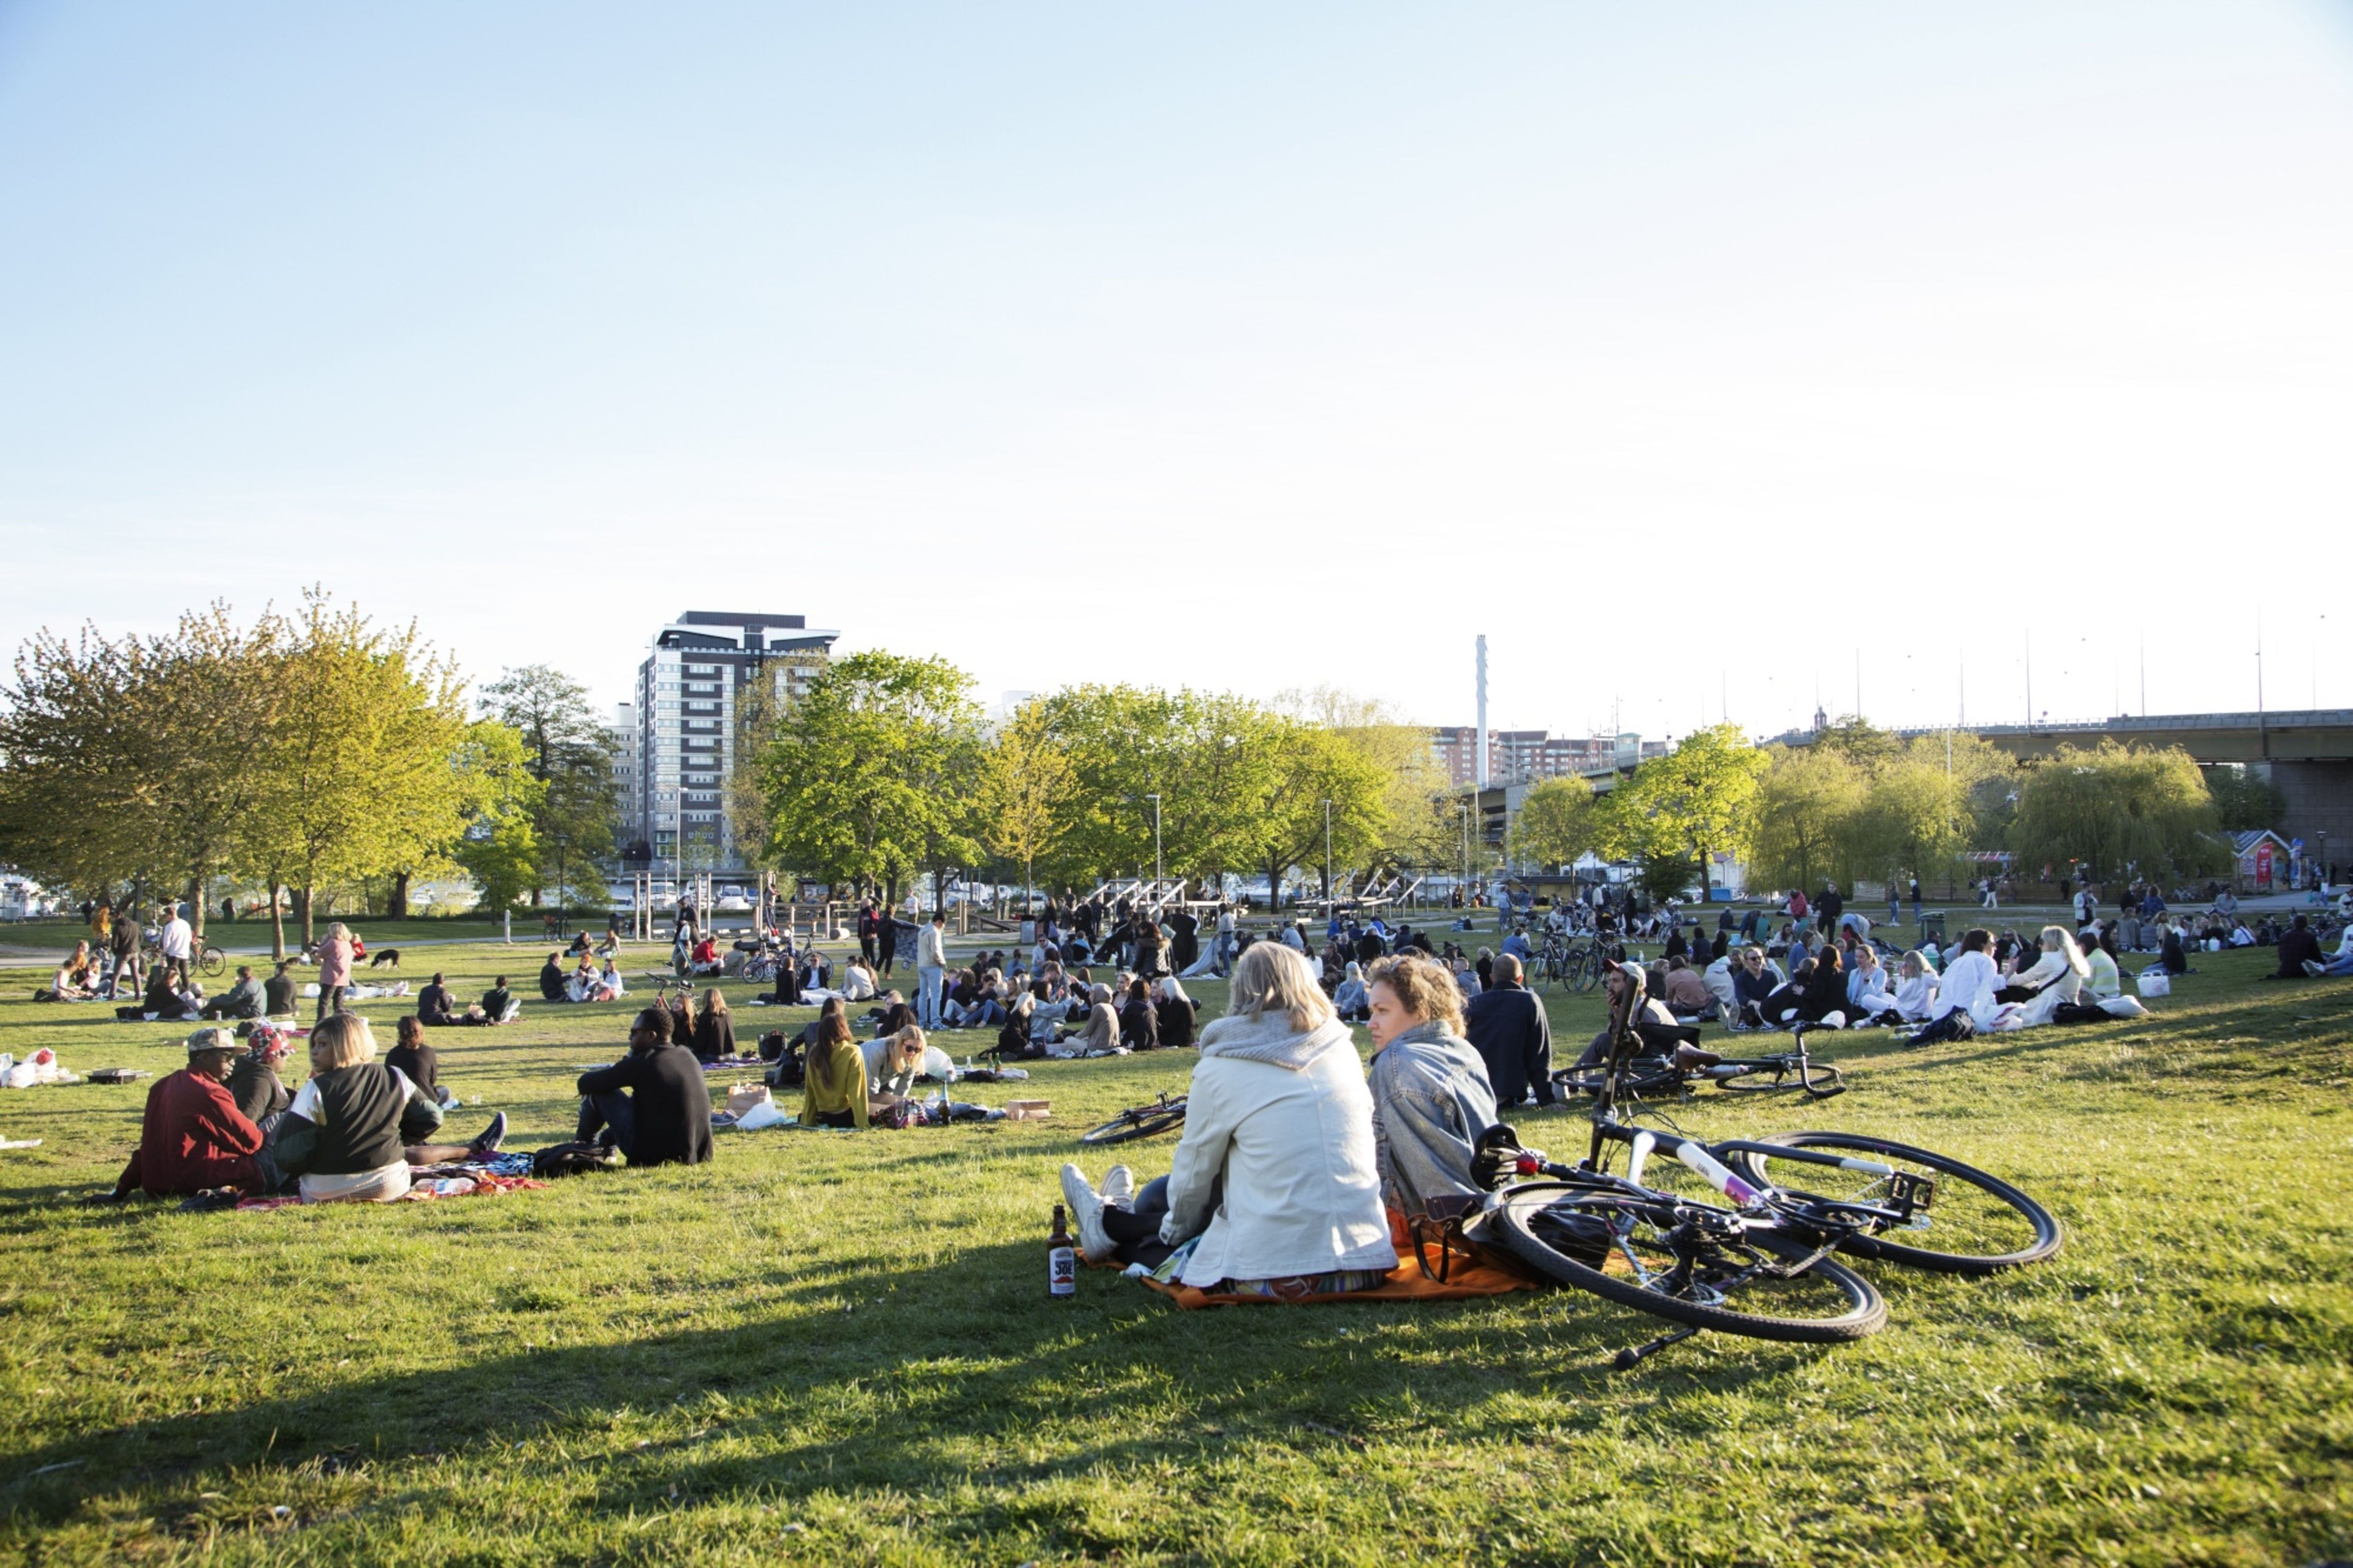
1430 1102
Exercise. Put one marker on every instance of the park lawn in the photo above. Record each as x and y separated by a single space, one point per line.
831 1346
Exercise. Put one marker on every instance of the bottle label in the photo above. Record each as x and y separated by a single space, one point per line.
1061 1271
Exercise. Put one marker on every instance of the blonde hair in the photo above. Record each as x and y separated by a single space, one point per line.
339 931
713 1001
910 1041
2059 939
1424 989
341 1041
1270 978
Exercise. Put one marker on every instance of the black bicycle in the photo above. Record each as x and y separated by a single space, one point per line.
1733 1248
1673 1064
1139 1122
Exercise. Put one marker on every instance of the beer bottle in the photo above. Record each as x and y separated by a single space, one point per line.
1061 1259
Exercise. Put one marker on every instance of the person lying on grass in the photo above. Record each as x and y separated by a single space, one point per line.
358 1126
1430 1095
1275 1184
652 1104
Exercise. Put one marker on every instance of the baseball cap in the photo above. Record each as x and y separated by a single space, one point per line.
214 1039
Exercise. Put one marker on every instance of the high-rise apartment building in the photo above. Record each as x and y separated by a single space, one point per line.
703 672
1520 756
629 758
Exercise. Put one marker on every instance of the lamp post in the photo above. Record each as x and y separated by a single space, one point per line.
560 842
1156 872
1465 809
1327 857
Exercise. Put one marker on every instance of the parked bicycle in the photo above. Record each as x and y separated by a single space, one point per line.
1750 1257
203 956
1672 1065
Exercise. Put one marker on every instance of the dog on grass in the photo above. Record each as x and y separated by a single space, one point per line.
384 956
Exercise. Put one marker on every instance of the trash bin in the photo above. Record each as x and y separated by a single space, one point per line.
1028 934
1932 926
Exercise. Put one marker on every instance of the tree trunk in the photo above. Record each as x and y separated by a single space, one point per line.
196 898
277 920
304 900
396 905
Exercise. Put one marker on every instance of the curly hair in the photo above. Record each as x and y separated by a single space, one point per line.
1422 988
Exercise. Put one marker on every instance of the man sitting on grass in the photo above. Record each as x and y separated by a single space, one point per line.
652 1104
2299 953
1507 1027
242 1000
193 1136
277 992
435 1009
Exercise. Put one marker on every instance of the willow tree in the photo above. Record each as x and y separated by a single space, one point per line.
1810 804
2123 810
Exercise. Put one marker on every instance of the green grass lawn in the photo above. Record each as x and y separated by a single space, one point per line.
828 1347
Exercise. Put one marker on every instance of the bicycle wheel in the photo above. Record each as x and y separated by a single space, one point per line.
1144 1122
1977 1224
1627 1250
1651 1076
211 961
1586 971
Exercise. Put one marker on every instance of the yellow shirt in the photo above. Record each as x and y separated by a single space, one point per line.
846 1091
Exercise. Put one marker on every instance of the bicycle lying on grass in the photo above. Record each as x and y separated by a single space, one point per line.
1752 1257
1672 1065
1163 1115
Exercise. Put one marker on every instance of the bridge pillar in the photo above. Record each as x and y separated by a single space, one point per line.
2319 799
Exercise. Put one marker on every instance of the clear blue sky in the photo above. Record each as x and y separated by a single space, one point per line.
1687 351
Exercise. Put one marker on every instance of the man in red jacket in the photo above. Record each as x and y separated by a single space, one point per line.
194 1136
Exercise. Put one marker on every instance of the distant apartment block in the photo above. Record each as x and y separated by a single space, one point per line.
1521 756
693 694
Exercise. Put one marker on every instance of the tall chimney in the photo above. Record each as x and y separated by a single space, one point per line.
1482 710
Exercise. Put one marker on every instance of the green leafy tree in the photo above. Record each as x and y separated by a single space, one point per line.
499 846
1808 809
1419 829
1210 757
362 777
2122 810
570 750
134 763
2244 801
1557 823
1297 768
1697 800
1027 792
1916 817
872 774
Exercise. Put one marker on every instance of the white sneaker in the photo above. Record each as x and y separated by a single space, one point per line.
1086 1208
1119 1188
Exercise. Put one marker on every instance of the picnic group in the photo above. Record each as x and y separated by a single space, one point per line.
1298 1170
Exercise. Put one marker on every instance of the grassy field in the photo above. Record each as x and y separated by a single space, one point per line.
830 1347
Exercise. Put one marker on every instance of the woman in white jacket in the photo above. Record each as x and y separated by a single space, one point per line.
1275 1186
2056 978
1916 989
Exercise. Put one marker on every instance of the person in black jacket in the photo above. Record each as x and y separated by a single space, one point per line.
2299 953
277 992
551 980
652 1104
1824 989
1830 905
1179 1017
1139 1021
1506 1025
887 926
435 1007
715 1028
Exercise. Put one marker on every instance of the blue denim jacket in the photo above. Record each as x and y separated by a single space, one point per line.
1431 1101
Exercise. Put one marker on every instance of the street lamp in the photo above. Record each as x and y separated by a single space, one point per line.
1157 871
1327 857
560 842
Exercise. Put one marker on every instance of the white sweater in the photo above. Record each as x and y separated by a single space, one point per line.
1287 1119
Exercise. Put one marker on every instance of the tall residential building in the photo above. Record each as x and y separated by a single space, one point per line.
1520 756
629 759
694 691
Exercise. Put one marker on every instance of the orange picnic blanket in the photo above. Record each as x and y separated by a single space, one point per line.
1453 1274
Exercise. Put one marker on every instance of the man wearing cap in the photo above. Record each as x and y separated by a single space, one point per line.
193 1135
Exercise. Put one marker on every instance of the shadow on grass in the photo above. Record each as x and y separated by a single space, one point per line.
882 1377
